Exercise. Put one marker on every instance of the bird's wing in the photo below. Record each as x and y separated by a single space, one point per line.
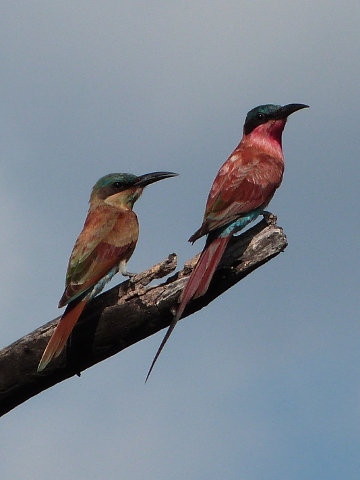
244 183
106 239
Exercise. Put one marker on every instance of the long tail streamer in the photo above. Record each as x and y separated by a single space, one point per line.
197 284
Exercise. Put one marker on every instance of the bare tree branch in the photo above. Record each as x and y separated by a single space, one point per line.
127 314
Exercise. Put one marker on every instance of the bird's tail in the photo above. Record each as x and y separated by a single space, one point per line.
61 333
197 284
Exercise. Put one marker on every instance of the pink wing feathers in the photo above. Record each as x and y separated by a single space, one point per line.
246 181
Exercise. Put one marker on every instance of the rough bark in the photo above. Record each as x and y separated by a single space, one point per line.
126 314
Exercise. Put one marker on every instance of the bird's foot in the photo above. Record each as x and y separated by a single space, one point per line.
131 276
124 272
269 218
140 282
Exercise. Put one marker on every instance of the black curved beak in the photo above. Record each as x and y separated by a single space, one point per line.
287 110
153 177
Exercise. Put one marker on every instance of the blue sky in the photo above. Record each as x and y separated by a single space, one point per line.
265 382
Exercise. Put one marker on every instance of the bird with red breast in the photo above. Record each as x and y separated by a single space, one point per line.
241 191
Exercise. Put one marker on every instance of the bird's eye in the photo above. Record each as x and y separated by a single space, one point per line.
260 116
117 185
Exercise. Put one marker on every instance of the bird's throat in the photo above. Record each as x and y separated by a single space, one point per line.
267 137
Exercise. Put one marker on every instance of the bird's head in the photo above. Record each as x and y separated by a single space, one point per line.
123 189
269 120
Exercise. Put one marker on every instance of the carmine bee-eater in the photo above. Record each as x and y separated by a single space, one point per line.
242 189
104 246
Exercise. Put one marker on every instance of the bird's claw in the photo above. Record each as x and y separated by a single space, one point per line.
269 218
132 277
